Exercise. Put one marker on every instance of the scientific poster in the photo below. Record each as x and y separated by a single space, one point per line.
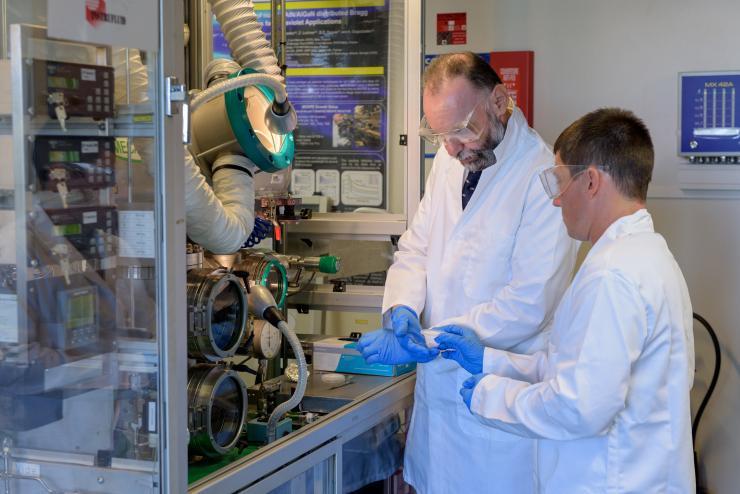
337 59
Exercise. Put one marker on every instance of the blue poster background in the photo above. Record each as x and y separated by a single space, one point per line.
337 62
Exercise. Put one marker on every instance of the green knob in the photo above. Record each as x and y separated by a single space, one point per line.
329 264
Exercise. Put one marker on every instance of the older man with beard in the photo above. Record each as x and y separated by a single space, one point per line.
485 250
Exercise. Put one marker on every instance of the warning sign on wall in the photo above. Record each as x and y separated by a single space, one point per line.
452 29
516 69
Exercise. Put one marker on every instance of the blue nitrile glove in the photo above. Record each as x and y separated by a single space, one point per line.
462 345
383 347
406 326
469 387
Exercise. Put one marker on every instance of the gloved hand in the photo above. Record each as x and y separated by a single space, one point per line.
462 345
384 347
403 319
469 387
407 329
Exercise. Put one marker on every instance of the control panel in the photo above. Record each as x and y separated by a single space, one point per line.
67 313
67 163
91 230
77 315
73 90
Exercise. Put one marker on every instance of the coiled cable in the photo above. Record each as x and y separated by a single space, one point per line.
262 230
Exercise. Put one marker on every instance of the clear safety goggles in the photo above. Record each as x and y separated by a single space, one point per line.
558 178
465 132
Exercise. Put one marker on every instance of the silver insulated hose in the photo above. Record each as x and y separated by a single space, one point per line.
242 30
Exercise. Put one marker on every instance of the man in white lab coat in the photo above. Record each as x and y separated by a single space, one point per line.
609 397
494 256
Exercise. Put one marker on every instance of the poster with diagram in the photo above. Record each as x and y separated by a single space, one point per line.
337 59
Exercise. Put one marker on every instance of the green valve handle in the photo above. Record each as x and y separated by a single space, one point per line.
329 264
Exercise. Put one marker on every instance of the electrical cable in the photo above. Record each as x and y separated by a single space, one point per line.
262 230
708 394
306 284
715 375
244 368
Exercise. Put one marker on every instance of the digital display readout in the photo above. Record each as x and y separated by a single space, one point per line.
80 311
62 82
69 156
64 230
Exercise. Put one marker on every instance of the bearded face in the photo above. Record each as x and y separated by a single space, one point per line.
477 159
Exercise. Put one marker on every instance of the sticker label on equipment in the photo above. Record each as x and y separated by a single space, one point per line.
152 416
7 234
87 74
136 234
89 217
89 147
28 469
8 318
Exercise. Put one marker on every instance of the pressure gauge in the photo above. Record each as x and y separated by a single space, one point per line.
267 339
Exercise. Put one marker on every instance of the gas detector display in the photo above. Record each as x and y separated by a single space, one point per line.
709 113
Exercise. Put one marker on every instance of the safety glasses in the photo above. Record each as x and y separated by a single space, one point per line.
558 178
465 132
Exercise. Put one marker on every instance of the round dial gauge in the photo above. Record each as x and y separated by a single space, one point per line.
267 339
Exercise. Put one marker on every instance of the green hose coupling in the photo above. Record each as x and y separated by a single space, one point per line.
329 264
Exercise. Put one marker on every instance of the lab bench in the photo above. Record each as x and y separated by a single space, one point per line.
358 439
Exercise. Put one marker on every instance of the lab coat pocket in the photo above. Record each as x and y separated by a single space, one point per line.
488 266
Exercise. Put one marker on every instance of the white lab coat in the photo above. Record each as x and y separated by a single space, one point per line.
610 396
499 267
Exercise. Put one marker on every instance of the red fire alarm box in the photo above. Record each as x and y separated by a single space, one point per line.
516 70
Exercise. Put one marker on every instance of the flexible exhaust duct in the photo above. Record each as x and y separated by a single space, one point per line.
219 218
242 30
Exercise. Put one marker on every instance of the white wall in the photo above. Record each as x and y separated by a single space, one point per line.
594 53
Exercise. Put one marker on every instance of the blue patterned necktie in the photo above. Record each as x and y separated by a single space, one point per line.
469 186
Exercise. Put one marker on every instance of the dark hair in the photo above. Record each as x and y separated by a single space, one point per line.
467 64
614 140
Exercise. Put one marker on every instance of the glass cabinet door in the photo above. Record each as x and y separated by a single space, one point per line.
84 350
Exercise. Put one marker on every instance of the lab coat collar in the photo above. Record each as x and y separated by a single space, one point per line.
638 222
507 146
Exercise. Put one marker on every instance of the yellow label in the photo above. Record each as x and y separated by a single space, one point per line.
122 150
324 4
336 71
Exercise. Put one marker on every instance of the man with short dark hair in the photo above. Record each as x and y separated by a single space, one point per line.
609 398
486 250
